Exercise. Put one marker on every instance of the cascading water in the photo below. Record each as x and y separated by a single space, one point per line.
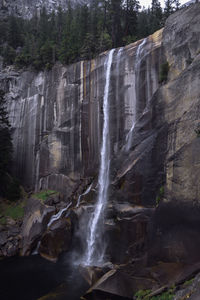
85 193
53 219
93 255
117 97
58 215
139 56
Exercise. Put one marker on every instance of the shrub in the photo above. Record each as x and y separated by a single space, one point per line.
43 195
13 191
145 295
160 195
141 294
11 210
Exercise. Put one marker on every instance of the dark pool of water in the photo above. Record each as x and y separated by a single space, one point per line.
29 278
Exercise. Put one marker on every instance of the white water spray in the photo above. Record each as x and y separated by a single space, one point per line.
93 256
138 59
117 97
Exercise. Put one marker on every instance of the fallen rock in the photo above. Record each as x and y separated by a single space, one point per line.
53 199
56 239
91 274
3 238
115 284
11 248
35 222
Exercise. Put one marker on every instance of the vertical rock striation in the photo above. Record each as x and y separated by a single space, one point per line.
57 116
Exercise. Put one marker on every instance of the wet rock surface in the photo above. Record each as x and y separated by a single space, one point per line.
64 118
56 239
10 240
128 232
37 215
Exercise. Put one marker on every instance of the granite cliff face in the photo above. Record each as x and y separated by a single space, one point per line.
57 119
57 116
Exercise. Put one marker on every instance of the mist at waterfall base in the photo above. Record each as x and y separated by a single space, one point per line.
29 278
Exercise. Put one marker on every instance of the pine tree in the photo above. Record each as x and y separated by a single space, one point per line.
156 16
115 14
131 11
5 145
14 32
168 10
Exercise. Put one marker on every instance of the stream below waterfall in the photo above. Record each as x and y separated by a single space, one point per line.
29 278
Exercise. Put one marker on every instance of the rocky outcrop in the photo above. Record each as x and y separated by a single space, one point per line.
56 239
56 116
37 216
181 97
10 238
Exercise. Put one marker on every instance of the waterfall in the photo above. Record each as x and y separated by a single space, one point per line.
93 255
138 59
117 97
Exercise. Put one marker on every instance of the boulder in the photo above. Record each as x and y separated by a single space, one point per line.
35 221
3 238
176 234
10 239
117 284
127 232
56 239
92 273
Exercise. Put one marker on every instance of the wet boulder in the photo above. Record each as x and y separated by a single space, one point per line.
127 232
10 238
56 239
35 221
116 284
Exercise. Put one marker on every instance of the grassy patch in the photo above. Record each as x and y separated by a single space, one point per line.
145 295
2 220
15 212
43 195
188 282
141 294
12 210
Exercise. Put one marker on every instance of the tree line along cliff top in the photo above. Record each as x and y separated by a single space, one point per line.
78 33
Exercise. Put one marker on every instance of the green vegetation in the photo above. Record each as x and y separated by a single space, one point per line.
15 212
164 69
145 295
81 32
160 195
43 195
12 210
188 282
13 190
141 294
9 187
